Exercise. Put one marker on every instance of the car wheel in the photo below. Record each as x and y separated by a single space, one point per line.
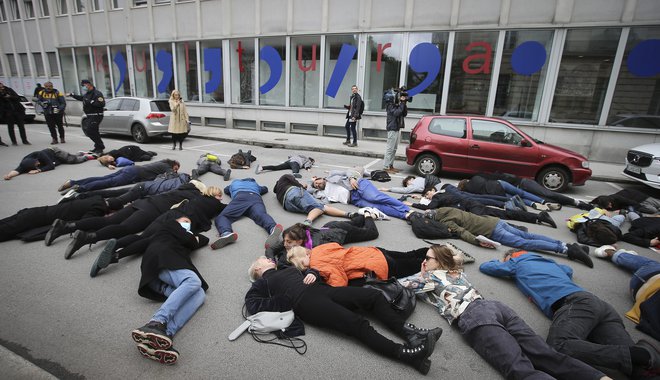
427 164
139 133
554 178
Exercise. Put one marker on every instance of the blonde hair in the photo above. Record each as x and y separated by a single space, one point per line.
173 92
199 185
295 255
252 271
212 191
106 160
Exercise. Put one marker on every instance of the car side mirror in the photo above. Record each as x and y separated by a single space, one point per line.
525 143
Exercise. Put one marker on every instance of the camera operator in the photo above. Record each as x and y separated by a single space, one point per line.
397 110
53 104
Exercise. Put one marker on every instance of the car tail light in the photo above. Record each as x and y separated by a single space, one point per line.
413 137
155 116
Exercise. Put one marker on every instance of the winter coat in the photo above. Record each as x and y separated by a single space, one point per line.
165 182
337 265
93 102
131 152
51 102
395 115
179 118
355 107
163 202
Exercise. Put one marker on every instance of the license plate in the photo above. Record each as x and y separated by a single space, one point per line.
634 169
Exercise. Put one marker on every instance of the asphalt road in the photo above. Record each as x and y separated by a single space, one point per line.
77 327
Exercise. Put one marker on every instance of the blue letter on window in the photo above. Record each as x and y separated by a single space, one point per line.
213 64
346 55
274 61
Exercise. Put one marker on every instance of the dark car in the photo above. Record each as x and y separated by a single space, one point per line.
473 144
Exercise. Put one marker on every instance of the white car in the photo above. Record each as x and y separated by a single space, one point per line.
643 164
30 112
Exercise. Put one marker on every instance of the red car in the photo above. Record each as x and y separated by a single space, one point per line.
473 144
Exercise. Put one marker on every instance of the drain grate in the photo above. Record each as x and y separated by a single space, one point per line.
281 139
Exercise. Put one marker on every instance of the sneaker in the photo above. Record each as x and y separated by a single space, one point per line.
352 145
62 140
80 239
227 174
346 142
297 175
226 238
66 191
653 349
258 169
168 356
540 207
378 215
194 174
600 252
57 229
553 206
53 142
275 236
104 258
307 222
577 253
71 193
153 334
65 186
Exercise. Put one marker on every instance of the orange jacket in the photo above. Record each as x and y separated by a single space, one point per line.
337 264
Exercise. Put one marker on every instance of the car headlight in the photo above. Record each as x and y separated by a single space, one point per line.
585 164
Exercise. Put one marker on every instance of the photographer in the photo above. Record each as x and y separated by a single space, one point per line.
53 103
397 110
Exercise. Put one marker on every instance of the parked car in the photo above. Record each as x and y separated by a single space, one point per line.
643 164
30 112
473 144
635 121
138 117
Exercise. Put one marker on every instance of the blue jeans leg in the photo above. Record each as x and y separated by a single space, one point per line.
516 238
529 198
257 212
367 195
642 267
125 176
185 295
300 201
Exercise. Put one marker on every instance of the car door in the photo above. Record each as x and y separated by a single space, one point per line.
126 115
109 123
448 136
496 146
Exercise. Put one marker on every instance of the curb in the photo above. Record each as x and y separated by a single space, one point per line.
16 367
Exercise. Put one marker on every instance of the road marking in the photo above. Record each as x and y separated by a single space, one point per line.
371 163
615 186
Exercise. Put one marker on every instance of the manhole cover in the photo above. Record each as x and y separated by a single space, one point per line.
281 139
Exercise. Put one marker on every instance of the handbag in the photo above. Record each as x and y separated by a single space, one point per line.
272 322
400 298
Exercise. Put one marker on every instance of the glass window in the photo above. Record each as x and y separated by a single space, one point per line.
522 74
79 6
43 8
39 65
139 3
493 131
97 5
164 63
113 105
160 105
471 67
83 64
305 71
161 1
212 85
68 71
3 15
25 63
272 56
186 68
14 12
425 70
13 70
448 127
29 8
62 8
242 72
341 59
117 4
636 101
584 73
2 71
383 69
102 70
142 69
129 105
52 63
120 71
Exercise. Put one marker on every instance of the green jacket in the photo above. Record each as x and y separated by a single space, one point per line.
467 225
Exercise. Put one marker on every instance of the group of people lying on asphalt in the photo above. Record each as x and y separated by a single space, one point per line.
312 271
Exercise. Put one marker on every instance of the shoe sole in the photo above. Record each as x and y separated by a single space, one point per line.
70 249
151 340
274 237
48 240
162 356
104 258
223 241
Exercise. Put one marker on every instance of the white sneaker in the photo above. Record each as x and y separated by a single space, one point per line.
362 210
600 251
379 215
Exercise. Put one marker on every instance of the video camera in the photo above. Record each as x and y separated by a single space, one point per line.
393 95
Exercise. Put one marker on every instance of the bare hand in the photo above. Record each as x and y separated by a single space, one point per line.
415 196
407 203
112 167
655 241
7 177
354 183
383 189
35 171
487 245
309 279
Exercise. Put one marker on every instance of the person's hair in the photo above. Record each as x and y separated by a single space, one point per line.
296 232
355 85
39 84
462 183
446 258
602 201
407 179
427 189
47 84
212 191
172 163
106 160
28 164
601 234
295 255
252 271
173 92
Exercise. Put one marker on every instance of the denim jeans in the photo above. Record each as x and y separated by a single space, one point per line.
351 128
204 166
516 238
589 329
367 195
643 268
122 177
184 293
244 203
300 201
528 198
534 187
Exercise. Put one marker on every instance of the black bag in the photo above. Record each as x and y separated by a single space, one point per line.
401 298
380 176
425 228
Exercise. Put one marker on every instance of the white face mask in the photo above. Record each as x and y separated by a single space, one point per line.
185 225
83 88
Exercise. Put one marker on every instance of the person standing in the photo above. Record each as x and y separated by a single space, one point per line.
355 108
179 120
93 106
53 104
37 90
396 112
12 112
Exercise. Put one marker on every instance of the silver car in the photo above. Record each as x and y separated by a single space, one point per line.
138 117
643 164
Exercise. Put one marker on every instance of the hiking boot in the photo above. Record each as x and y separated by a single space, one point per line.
153 334
577 253
194 174
226 238
57 229
65 186
80 239
168 356
274 237
415 336
104 258
544 217
417 356
392 168
227 174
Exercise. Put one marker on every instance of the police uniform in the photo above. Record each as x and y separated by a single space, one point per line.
93 104
53 104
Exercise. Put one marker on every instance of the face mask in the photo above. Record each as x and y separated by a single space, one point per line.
185 225
84 88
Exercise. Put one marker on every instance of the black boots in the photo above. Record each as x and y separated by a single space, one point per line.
417 356
579 253
544 217
80 238
57 229
416 336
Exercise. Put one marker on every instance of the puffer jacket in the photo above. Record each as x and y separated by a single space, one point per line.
337 265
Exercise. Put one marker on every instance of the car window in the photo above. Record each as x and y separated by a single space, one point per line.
448 127
130 105
160 105
112 105
493 131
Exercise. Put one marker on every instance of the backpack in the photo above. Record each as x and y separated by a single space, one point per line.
241 159
425 228
401 299
380 176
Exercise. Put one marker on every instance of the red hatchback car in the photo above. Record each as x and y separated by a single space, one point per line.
473 144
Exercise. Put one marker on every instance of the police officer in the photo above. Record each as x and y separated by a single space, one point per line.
53 104
93 104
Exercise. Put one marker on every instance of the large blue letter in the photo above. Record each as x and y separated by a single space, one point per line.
528 58
425 58
164 63
213 64
644 59
346 55
274 61
120 61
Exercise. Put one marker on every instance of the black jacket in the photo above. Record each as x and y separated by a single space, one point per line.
395 116
283 184
481 185
93 101
642 230
355 107
10 104
46 158
162 202
131 152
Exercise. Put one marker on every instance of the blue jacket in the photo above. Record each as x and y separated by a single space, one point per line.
541 279
246 184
